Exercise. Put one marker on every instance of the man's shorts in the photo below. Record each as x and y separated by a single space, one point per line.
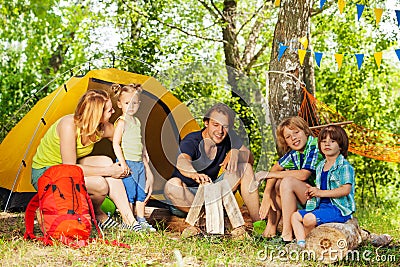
177 212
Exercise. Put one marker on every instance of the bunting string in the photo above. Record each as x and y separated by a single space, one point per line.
338 56
378 11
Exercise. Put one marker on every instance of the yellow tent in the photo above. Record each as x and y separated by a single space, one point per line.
165 121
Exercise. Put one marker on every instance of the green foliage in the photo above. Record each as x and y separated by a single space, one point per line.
39 40
367 96
175 41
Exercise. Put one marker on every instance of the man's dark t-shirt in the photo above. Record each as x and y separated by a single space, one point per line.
193 145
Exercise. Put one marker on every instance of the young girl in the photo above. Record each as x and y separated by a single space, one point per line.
288 178
332 200
130 152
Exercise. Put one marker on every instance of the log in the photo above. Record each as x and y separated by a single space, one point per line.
162 219
214 209
198 202
231 205
332 241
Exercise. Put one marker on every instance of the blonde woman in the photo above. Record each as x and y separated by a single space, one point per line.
71 138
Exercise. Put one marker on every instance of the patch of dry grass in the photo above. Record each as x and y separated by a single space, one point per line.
163 248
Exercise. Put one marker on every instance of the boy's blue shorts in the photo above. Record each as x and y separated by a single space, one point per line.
327 213
135 183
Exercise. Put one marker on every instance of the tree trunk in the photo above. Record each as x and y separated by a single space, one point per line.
285 94
332 241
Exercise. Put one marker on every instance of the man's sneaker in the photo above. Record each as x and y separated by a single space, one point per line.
190 232
147 227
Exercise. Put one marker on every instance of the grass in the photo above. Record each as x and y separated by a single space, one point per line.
166 248
380 216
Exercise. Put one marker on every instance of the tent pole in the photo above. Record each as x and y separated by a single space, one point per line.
12 189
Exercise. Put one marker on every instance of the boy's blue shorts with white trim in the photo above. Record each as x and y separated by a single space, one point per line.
326 213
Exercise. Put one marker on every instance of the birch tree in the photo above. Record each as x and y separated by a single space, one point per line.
285 93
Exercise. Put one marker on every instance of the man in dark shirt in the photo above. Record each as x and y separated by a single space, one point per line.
202 155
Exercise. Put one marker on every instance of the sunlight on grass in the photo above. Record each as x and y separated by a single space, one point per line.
168 249
381 218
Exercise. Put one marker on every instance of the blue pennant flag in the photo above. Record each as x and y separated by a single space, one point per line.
398 53
360 10
360 59
398 17
321 3
318 57
282 49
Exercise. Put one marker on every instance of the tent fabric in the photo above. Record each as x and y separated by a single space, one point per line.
165 121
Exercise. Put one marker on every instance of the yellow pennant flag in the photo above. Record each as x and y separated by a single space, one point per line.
339 60
378 58
378 14
304 41
341 4
277 3
302 54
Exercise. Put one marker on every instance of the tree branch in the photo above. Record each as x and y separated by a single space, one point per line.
212 12
255 58
219 12
315 12
215 12
178 28
252 17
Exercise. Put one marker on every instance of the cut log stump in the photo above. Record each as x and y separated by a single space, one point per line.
162 219
332 241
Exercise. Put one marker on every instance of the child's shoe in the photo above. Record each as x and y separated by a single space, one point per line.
107 224
136 227
147 227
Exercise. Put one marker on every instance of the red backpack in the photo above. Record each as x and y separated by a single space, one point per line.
66 210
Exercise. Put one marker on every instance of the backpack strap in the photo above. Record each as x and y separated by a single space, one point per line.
91 210
30 214
30 217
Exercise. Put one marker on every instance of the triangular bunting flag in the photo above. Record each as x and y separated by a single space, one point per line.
339 60
378 14
341 4
360 59
282 49
378 58
318 57
398 17
321 3
360 10
277 3
304 41
302 54
398 53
